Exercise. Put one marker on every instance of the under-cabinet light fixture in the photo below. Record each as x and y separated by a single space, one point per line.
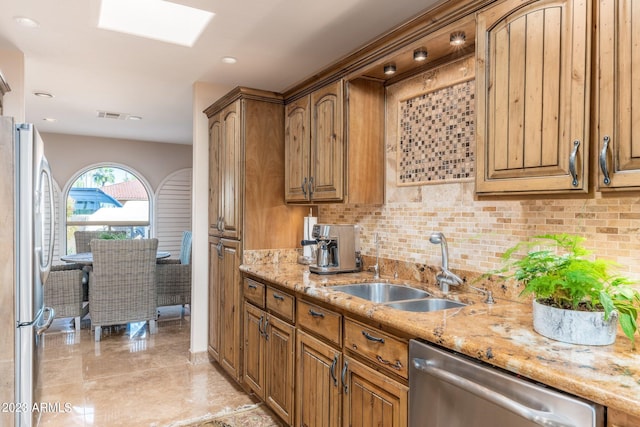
389 69
420 54
458 38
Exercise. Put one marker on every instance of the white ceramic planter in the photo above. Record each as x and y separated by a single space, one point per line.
575 327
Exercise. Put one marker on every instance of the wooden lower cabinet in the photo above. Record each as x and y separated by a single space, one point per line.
318 387
371 398
214 299
336 390
225 302
269 357
620 419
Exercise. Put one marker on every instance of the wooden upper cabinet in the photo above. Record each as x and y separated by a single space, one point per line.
225 155
334 144
230 173
298 145
618 94
533 96
215 139
326 173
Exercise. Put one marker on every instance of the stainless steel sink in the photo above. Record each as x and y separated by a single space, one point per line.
429 304
381 292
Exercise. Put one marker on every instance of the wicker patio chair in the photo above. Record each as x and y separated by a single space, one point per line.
174 276
83 244
123 283
63 292
83 238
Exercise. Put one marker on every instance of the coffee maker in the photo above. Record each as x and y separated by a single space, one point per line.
338 248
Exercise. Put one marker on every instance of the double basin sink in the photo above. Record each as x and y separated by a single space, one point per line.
400 297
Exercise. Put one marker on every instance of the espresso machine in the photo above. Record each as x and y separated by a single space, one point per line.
338 248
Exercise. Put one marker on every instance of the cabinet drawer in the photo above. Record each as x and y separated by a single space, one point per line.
254 292
280 303
380 348
321 321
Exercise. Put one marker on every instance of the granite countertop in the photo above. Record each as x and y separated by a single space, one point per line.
501 334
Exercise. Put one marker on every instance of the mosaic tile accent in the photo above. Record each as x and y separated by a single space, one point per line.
437 136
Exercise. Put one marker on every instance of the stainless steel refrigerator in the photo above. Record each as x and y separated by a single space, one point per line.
30 194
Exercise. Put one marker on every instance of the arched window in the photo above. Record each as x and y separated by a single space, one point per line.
109 198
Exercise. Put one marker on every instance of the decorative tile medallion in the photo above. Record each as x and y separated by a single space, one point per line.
437 136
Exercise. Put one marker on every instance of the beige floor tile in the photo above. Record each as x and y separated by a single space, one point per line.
130 377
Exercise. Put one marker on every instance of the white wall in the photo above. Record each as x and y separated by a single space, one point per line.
204 94
12 67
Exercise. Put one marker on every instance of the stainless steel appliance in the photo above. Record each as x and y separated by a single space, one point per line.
338 248
33 242
451 390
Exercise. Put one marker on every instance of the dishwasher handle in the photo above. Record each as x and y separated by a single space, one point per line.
542 418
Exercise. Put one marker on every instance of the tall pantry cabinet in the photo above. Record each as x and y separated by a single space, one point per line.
246 206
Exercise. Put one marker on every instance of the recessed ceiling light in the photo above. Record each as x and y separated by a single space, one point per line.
420 54
390 69
229 60
26 22
136 118
50 119
458 38
154 19
43 94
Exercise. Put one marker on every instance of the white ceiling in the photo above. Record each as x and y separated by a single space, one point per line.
278 43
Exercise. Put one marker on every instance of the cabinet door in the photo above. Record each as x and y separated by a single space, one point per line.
618 94
532 88
371 399
254 351
230 168
327 143
318 388
280 355
214 297
297 145
230 336
620 419
215 129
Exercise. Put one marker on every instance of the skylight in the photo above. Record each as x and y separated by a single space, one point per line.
154 19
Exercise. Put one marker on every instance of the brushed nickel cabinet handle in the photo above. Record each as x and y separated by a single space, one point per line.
572 163
603 160
278 297
252 286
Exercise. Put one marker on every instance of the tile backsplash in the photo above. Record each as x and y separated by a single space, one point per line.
479 231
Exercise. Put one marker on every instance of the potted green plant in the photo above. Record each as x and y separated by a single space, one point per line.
567 284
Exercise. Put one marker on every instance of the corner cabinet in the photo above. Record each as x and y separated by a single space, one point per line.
334 144
618 94
533 79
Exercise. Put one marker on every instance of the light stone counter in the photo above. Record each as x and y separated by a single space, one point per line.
500 334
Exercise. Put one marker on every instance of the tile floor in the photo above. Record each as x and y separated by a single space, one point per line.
129 378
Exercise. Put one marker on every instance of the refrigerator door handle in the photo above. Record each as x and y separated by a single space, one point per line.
43 327
45 267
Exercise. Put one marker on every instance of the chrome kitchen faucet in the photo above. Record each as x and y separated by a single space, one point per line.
445 277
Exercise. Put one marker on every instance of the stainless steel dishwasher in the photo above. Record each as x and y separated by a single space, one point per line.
451 390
